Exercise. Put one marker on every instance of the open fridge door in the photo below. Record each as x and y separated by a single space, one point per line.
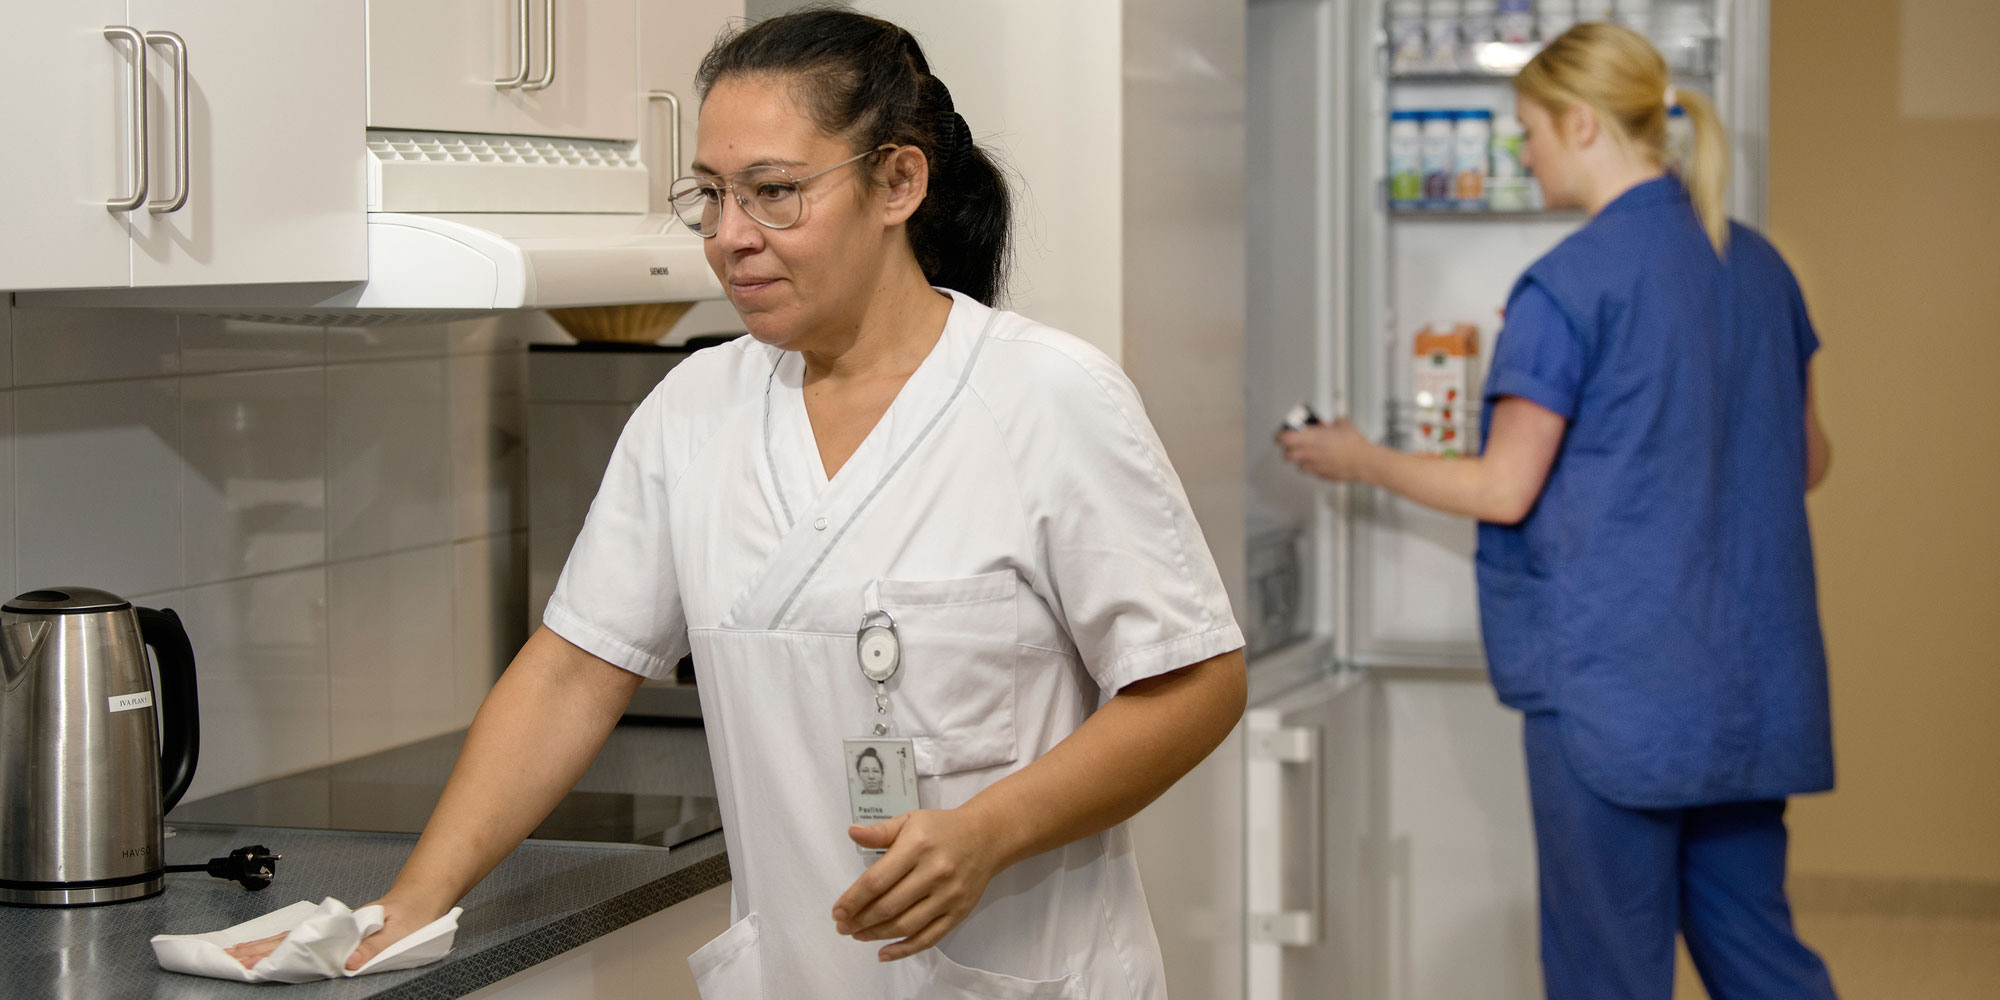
1313 881
1391 851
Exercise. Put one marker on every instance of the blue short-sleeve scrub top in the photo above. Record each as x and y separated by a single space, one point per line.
1660 597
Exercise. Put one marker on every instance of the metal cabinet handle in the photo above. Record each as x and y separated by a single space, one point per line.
180 195
122 32
673 164
548 49
520 53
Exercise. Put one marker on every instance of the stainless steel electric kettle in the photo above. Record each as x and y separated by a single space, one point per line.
85 774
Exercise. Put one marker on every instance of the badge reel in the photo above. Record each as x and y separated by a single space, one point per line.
881 767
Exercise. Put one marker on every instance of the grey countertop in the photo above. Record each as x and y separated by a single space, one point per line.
544 899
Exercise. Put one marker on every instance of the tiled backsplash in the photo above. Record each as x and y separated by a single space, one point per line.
339 515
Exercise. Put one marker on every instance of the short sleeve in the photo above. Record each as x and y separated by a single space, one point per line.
1130 574
1802 324
1538 356
618 597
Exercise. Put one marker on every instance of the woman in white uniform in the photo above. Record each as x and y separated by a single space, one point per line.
884 448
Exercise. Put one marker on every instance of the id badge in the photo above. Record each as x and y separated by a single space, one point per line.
881 780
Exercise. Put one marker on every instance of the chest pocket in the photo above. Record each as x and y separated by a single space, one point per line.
954 694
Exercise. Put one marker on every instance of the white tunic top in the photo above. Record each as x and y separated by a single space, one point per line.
1016 514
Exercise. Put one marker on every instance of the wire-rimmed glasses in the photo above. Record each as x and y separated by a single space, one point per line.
768 194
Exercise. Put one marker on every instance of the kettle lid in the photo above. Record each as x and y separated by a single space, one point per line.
64 601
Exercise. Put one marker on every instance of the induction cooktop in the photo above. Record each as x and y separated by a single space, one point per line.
650 786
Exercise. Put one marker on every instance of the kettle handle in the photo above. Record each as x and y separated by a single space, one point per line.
180 742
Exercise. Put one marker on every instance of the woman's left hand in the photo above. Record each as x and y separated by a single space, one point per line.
1336 451
937 868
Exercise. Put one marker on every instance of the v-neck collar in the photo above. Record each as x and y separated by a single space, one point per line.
803 480
812 520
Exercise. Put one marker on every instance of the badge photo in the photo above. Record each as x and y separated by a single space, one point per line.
881 780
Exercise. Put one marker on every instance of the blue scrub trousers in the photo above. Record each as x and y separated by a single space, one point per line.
1616 883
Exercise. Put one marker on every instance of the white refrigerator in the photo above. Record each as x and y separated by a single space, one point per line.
1388 850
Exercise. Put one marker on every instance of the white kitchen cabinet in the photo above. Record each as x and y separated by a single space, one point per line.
247 118
69 129
275 172
461 66
672 38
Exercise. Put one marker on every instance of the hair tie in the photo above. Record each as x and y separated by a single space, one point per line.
954 137
963 146
1673 98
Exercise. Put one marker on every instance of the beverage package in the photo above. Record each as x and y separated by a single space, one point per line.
1634 14
1407 52
1442 388
1477 29
1406 167
1593 10
1441 34
1680 138
1515 22
1439 141
1470 148
1508 188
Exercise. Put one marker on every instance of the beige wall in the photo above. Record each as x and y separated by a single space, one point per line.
1885 195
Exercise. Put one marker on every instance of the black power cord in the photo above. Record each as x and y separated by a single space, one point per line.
253 866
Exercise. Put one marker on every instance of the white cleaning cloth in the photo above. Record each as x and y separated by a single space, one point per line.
321 938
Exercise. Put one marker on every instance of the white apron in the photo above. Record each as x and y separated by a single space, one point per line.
1015 514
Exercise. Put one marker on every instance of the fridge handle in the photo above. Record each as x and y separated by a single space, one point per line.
1271 750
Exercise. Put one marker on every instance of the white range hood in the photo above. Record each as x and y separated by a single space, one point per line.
514 222
526 261
464 224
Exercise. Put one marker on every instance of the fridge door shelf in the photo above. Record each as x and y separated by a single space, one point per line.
1272 570
1402 214
1686 55
1410 424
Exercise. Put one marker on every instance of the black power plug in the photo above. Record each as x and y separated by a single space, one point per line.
254 867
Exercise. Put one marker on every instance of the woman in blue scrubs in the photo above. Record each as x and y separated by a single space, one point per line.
1645 569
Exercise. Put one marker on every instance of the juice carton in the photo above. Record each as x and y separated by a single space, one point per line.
1442 387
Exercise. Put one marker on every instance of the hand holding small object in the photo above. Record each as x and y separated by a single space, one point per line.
1337 451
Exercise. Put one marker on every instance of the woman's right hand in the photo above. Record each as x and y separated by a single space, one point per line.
1335 451
399 920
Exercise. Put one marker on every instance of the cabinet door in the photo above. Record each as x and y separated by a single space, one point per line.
432 66
593 76
274 160
673 37
69 128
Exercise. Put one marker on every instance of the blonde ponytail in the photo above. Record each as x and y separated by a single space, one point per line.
1707 177
1619 75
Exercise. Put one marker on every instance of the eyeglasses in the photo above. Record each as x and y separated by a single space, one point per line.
769 195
